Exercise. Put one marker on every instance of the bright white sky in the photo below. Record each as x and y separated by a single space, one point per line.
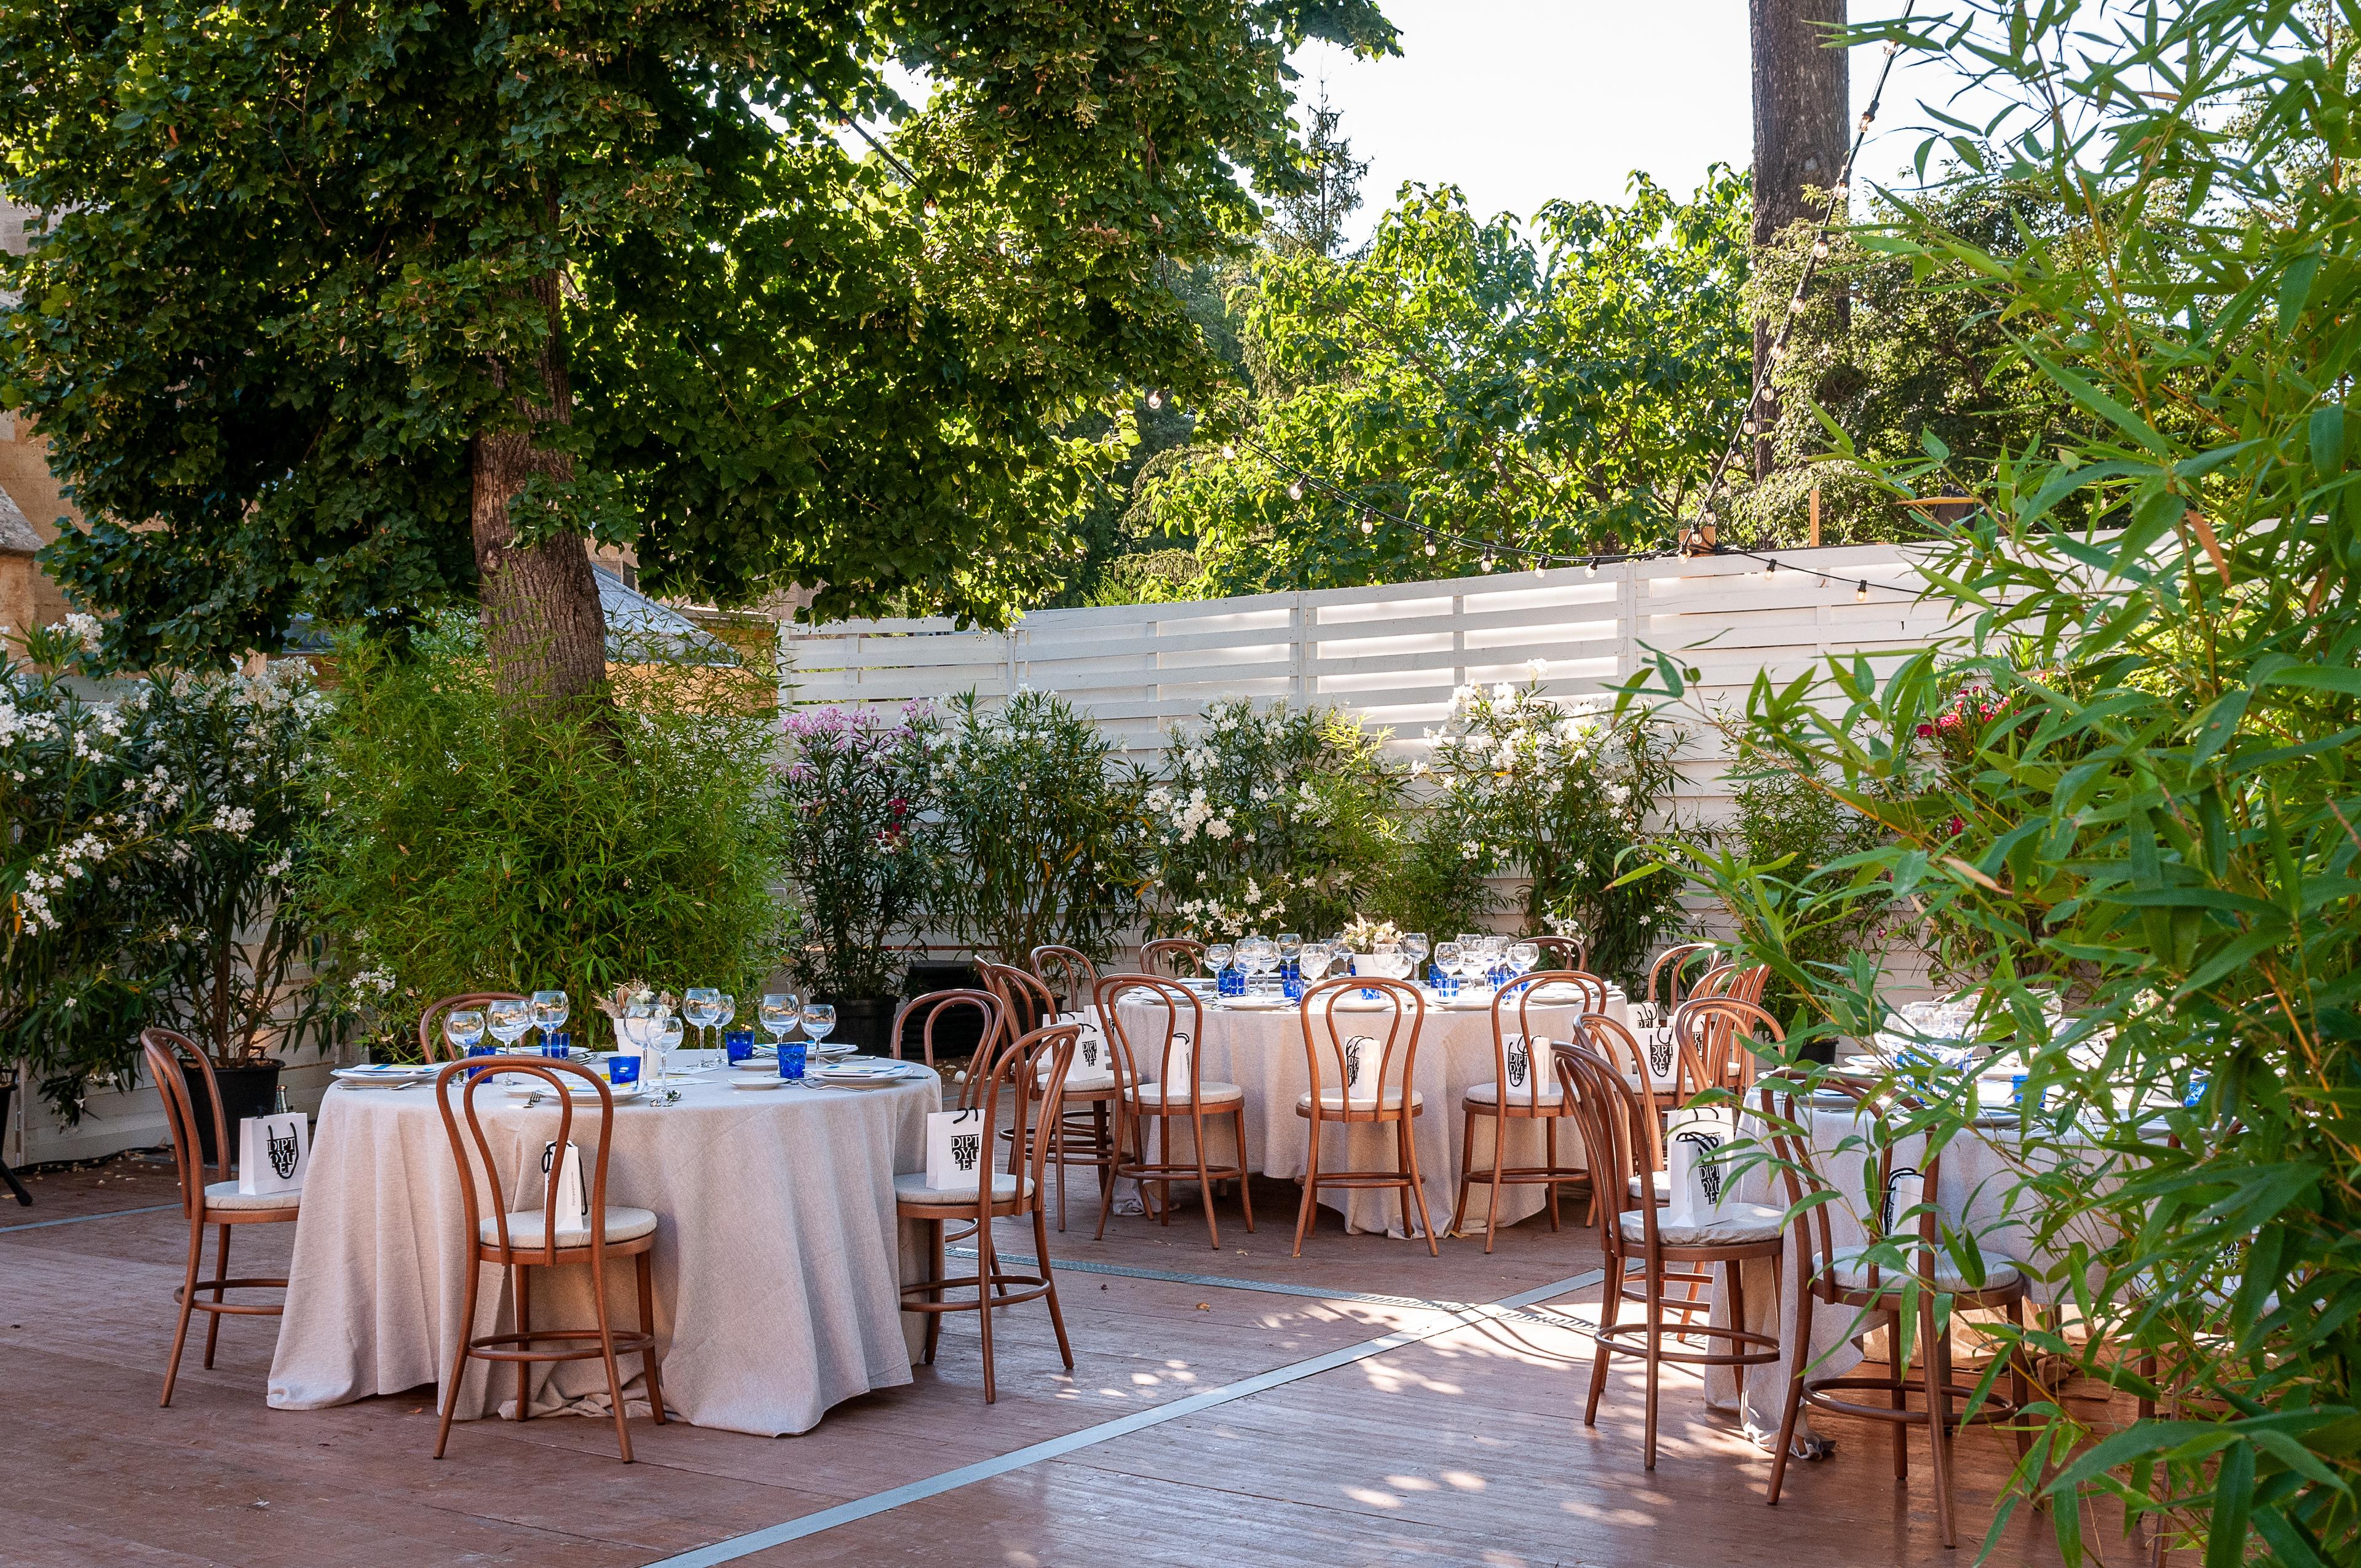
1518 101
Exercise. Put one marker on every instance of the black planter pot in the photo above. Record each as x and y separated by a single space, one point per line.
249 1089
864 1023
961 1028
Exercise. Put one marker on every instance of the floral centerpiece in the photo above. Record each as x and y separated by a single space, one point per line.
1363 935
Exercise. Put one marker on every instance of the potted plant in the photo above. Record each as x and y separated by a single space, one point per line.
853 828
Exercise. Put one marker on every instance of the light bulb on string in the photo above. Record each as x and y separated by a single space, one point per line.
1429 546
928 207
1860 592
1229 452
1590 568
1155 399
1820 248
1369 522
1487 560
1295 491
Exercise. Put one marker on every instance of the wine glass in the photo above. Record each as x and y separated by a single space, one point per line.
1414 945
781 1011
725 1009
1468 940
1291 949
1448 957
1259 956
1523 955
701 1005
549 1011
463 1026
1218 956
819 1017
1312 962
508 1020
667 1031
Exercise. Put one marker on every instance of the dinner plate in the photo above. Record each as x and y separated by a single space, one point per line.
580 1093
1256 1003
385 1072
771 1081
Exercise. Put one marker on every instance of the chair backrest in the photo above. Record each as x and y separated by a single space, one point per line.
167 1052
1334 1041
1173 952
1884 1176
1026 1004
1748 984
1633 1062
932 1006
1068 972
1170 1021
1668 975
479 1074
1565 953
1615 1137
432 1046
1716 1035
1028 1079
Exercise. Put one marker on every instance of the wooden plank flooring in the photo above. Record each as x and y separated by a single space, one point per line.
1464 1447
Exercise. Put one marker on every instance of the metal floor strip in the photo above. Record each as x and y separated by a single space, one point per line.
78 1219
747 1545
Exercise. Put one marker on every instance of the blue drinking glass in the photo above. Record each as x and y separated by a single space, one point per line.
791 1060
622 1070
559 1045
740 1044
480 1051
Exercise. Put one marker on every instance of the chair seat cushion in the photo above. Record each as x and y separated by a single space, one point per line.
1332 1100
1489 1095
1662 1184
1208 1093
1736 1223
624 1224
1081 1082
224 1195
910 1188
1852 1272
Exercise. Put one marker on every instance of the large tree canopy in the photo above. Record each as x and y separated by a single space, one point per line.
328 285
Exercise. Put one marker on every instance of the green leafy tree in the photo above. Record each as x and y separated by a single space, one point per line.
2147 809
1562 386
356 308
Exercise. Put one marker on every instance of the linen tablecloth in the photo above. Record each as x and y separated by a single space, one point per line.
777 1265
1262 1052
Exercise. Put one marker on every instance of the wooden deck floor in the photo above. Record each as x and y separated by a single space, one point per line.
1460 1446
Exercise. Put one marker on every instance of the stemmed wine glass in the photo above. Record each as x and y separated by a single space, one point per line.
668 1030
1218 956
508 1020
781 1011
701 1005
549 1010
725 1008
1449 957
463 1026
1312 960
1523 955
1291 949
819 1017
1414 948
1260 955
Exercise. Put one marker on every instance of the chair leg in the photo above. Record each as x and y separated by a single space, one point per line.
221 1272
1653 1280
521 1278
1049 1284
1499 1163
987 1274
1245 1184
1799 1355
2020 1386
1608 1308
935 1292
1106 1176
188 1305
1900 1396
1417 1188
1549 1132
607 1347
1311 1188
1204 1181
1466 1167
1102 1146
1058 1153
648 1327
459 1353
1936 1358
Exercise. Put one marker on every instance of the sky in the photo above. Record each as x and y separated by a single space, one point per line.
1519 101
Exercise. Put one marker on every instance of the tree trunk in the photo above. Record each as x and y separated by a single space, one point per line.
543 627
1803 112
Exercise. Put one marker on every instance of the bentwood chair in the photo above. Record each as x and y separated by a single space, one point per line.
1359 1079
1653 1070
1173 953
1667 977
1027 1078
432 1046
1083 1134
1716 1037
207 1197
1565 953
1885 1184
1523 1089
1645 1251
929 1009
1164 1032
1068 974
533 1238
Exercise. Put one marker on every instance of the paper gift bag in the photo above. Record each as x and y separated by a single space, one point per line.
572 1202
1654 1034
272 1152
1528 1068
1700 1176
1364 1061
1090 1045
955 1149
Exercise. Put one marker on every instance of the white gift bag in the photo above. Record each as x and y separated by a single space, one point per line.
1700 1180
955 1150
1654 1036
1178 1063
1090 1045
272 1152
1529 1069
1364 1061
573 1200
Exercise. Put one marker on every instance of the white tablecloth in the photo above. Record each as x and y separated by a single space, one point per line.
1261 1050
777 1265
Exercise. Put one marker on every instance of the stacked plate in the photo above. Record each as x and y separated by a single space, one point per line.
866 1072
385 1072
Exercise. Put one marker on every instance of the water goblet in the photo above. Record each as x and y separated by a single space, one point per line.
549 1011
1312 962
1290 952
781 1011
1447 960
1260 956
819 1017
668 1030
508 1020
1217 959
1468 939
1523 956
725 1008
1414 945
463 1026
701 1005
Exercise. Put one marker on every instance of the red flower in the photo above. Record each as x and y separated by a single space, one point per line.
1925 730
1957 826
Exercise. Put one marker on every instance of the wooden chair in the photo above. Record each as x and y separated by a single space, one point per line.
1641 1244
1171 951
432 1046
1068 974
1716 1035
1085 1133
1565 953
216 1202
1853 1280
1395 1100
1523 1090
1178 1089
930 1008
530 1239
1654 1083
1666 983
1027 1078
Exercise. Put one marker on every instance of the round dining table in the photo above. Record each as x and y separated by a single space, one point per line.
778 1261
1261 1050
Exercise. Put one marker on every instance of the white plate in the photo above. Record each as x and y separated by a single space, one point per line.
774 1082
1255 1004
388 1073
1354 1002
580 1093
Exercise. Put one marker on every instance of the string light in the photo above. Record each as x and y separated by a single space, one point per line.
1429 546
1369 522
1156 398
1295 491
1229 452
1860 592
